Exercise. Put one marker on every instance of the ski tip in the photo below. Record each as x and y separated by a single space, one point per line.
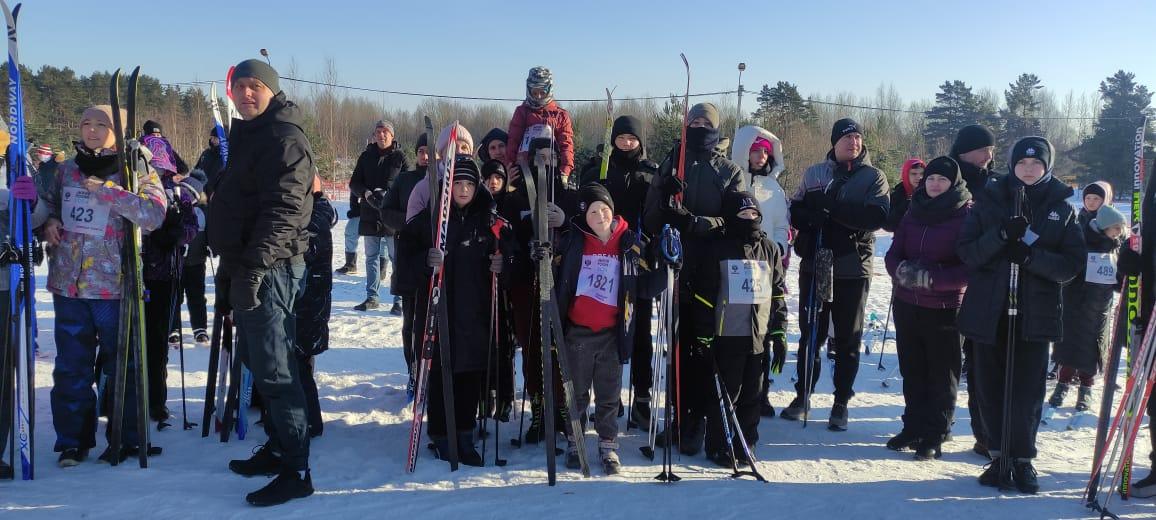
683 56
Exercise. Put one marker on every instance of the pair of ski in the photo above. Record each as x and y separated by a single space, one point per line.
229 388
1074 422
131 346
1118 435
17 362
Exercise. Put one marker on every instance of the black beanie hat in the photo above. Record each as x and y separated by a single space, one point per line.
736 201
626 125
151 126
1094 189
593 192
972 137
260 70
494 167
465 169
945 166
843 127
1034 147
495 134
422 140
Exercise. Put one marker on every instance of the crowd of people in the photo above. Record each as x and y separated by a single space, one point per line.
989 270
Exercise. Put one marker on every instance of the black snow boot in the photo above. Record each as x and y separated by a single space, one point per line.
991 474
287 486
1025 476
1145 487
468 451
350 266
263 462
902 441
929 448
1084 399
639 413
793 411
838 420
1057 398
5 470
370 304
68 458
693 435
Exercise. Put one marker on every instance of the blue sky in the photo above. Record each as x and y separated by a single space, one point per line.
484 49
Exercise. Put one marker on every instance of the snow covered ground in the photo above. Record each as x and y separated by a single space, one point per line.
358 465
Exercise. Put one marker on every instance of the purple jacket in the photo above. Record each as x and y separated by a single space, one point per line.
933 246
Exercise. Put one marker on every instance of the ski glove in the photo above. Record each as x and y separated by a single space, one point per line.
672 186
496 263
778 352
679 218
23 188
434 258
555 217
1018 252
1129 263
1013 228
912 275
245 287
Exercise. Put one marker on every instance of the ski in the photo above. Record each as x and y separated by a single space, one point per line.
211 381
229 413
606 144
1134 281
537 195
131 348
21 323
245 379
436 329
1048 415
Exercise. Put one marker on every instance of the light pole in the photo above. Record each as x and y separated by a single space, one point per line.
739 120
265 53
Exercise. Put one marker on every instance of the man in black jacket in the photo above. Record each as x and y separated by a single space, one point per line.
837 208
973 150
376 168
262 208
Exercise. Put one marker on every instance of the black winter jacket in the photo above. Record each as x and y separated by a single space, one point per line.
376 169
1087 306
314 301
260 207
1057 256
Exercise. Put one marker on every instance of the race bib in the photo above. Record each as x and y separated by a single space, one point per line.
1101 268
748 281
83 213
598 279
532 133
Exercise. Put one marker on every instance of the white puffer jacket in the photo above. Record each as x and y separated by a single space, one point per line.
765 188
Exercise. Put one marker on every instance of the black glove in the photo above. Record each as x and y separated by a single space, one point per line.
539 250
779 353
648 167
351 214
376 199
1013 228
819 201
1129 262
244 288
1018 252
672 186
679 218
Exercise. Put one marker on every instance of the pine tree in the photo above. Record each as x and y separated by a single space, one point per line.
955 107
782 107
1108 153
1021 117
667 125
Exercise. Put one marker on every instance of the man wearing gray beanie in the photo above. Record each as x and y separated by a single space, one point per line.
257 223
377 166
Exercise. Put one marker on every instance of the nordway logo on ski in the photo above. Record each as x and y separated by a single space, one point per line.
1054 216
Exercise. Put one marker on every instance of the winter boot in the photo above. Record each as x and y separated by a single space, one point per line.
174 340
468 451
793 411
608 452
350 266
1025 476
68 458
693 435
534 432
838 420
766 409
396 310
5 471
287 486
572 459
991 473
370 304
902 441
1057 398
504 409
639 413
722 458
1084 398
1145 487
201 337
929 448
263 462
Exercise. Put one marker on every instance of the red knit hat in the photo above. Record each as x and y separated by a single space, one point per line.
763 143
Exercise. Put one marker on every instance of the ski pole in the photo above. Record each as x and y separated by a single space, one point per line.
886 324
